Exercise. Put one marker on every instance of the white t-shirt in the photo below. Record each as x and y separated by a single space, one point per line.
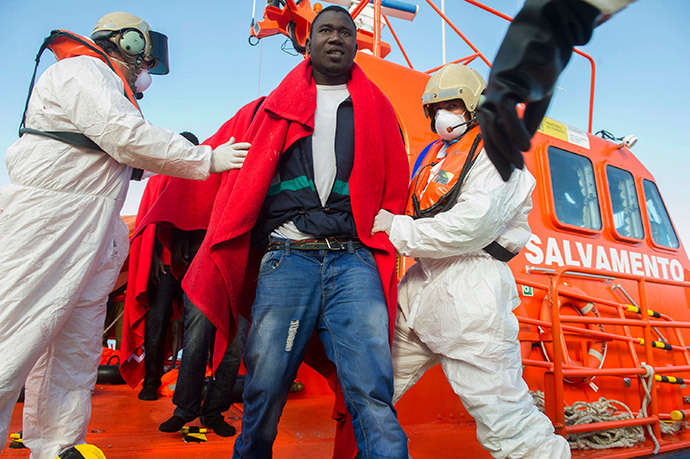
328 99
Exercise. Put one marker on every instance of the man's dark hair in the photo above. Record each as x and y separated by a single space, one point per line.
107 45
336 9
191 137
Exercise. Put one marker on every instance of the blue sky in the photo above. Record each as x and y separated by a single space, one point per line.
642 59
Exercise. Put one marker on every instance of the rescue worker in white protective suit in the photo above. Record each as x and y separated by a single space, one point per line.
534 52
462 223
63 241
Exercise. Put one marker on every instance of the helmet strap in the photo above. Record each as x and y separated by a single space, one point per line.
132 74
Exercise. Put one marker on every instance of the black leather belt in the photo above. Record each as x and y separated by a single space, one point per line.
329 243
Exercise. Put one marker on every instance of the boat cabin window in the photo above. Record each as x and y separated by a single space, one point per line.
659 221
624 203
574 189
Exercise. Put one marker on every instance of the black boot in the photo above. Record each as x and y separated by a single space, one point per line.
148 393
220 427
173 424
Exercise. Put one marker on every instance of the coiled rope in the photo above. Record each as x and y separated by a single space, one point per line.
611 410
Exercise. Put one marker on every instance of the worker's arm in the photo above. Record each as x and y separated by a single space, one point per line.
485 207
92 97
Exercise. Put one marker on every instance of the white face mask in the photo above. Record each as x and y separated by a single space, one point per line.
445 120
143 81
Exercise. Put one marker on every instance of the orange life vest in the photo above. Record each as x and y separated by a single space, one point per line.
66 44
428 197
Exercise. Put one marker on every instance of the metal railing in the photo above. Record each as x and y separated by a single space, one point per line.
377 42
561 368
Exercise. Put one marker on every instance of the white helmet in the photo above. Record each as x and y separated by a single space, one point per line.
136 40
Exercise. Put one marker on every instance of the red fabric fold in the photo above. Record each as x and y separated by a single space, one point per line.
136 297
167 202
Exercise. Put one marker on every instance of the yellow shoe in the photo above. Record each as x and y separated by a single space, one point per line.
84 451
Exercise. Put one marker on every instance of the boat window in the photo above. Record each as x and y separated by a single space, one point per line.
659 221
624 203
574 190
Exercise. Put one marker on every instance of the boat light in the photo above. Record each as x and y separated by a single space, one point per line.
628 142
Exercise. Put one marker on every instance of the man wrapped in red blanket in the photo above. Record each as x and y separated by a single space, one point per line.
289 243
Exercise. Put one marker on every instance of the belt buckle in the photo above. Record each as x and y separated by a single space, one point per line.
334 240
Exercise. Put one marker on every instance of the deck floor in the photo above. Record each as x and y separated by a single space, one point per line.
125 427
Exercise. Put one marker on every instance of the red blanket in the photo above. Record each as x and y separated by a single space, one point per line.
167 203
187 204
137 298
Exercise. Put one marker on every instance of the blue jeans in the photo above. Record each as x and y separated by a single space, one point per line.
198 337
339 295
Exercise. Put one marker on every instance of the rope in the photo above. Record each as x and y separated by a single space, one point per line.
600 411
610 410
646 382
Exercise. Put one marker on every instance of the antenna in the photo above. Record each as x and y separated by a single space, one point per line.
443 33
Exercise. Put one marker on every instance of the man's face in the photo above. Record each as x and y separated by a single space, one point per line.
332 48
456 106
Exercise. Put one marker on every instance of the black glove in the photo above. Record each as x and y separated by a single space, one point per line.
534 52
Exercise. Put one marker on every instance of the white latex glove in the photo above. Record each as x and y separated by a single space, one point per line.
382 222
228 156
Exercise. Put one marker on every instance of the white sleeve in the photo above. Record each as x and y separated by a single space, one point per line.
609 6
92 97
485 207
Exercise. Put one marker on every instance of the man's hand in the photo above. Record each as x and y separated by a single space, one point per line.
157 267
534 52
382 222
229 155
180 249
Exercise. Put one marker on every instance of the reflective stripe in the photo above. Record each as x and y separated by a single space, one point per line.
341 187
669 379
295 184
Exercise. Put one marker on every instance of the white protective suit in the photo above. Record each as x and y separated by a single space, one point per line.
455 307
63 242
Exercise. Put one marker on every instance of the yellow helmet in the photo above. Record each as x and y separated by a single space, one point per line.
454 81
136 39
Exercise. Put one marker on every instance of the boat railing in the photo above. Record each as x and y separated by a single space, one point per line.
293 21
559 369
477 53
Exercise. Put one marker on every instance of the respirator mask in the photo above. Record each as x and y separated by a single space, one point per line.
449 125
